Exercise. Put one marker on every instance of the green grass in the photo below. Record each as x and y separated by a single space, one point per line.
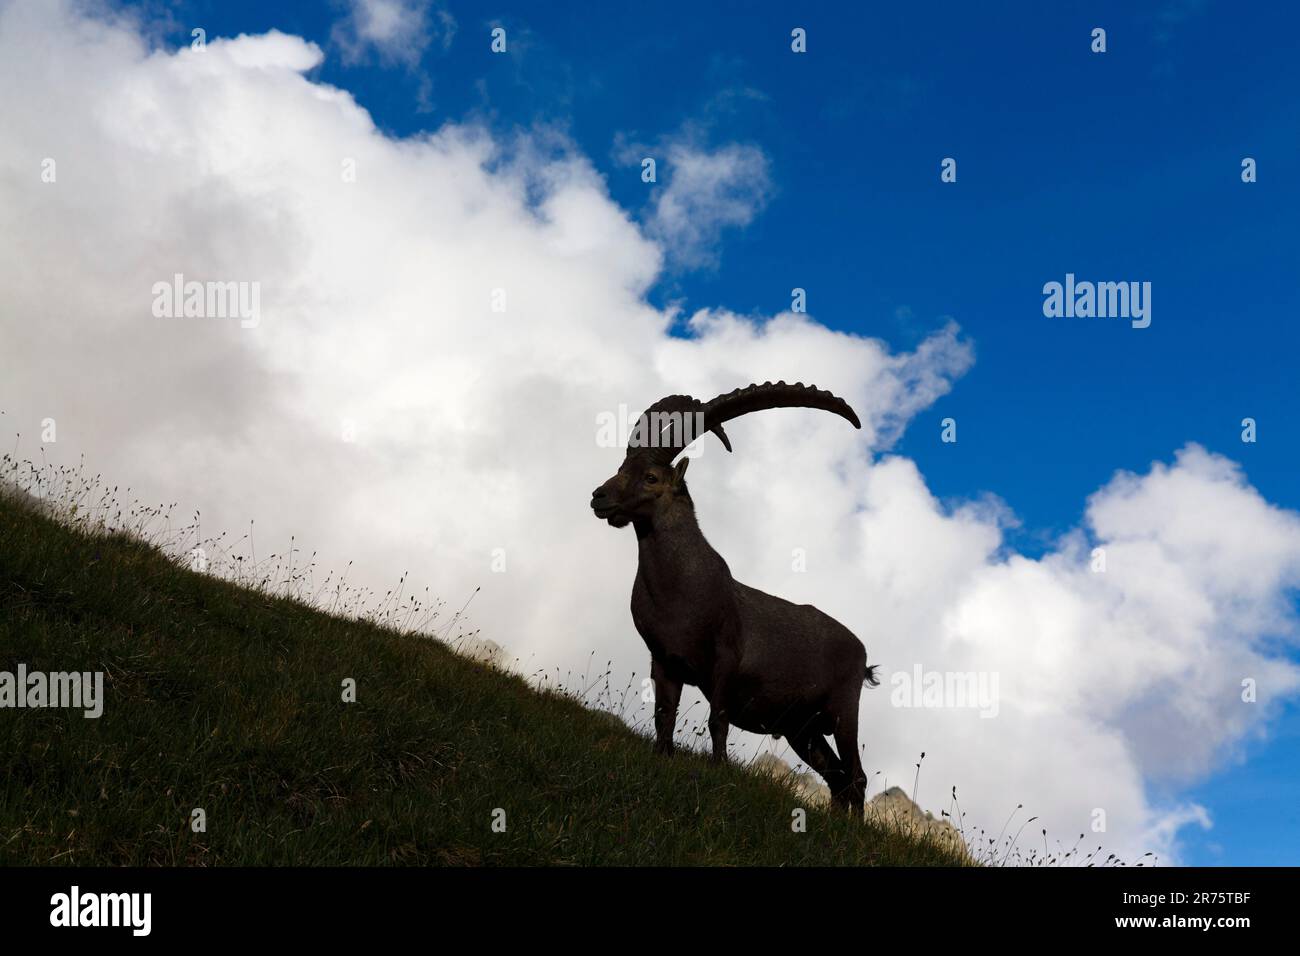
230 700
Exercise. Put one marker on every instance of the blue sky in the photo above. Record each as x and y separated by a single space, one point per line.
1119 166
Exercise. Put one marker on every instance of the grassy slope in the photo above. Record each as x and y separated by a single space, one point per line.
230 700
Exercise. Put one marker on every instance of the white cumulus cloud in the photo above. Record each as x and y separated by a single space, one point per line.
708 191
398 31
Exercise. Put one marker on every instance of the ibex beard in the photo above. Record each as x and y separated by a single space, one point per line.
764 664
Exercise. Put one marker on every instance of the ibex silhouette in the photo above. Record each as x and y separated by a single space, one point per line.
764 664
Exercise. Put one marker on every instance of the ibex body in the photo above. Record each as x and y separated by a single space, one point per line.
764 664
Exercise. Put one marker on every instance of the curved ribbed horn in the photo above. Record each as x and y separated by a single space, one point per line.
754 398
673 422
669 425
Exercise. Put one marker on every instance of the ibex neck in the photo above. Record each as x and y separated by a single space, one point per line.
674 561
676 522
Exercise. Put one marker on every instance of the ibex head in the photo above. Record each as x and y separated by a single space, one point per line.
647 482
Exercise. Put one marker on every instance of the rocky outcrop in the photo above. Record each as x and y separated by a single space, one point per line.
482 650
808 786
893 808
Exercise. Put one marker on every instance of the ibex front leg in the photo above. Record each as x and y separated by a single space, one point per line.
667 694
719 719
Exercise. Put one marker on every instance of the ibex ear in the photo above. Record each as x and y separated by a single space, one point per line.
679 472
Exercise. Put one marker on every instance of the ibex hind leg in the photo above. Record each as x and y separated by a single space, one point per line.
813 750
719 727
853 793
